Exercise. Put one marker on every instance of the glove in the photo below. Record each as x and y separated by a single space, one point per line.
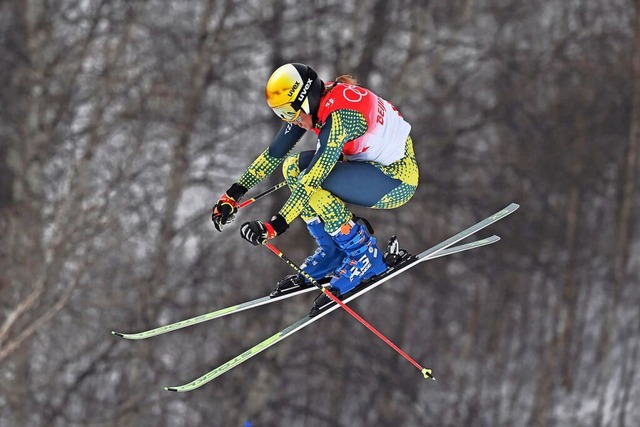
258 232
225 210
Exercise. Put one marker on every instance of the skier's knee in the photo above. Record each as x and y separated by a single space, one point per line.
291 170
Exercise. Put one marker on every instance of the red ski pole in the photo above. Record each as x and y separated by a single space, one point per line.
261 195
255 198
425 371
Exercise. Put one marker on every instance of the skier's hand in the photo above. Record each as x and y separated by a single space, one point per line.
258 232
225 210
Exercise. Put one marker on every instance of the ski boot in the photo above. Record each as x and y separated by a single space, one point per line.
325 260
364 260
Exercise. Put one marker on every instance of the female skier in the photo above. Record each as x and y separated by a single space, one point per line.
364 156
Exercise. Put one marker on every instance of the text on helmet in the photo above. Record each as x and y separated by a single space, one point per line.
305 89
293 89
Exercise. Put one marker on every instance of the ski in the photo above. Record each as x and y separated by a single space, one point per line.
268 300
402 266
210 316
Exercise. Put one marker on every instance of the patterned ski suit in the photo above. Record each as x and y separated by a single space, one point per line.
364 156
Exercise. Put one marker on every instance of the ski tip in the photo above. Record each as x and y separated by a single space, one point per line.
118 334
171 389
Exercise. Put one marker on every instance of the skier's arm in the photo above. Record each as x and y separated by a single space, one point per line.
340 127
268 161
225 209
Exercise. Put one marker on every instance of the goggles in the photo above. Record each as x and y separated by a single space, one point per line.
288 113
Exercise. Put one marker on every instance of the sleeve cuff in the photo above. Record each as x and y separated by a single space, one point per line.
236 191
279 224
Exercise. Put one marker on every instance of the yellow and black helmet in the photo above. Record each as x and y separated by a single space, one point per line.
293 88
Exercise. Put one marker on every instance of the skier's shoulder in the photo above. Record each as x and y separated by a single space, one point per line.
346 96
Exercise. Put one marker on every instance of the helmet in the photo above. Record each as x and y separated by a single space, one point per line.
293 88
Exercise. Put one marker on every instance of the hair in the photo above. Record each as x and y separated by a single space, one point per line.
347 79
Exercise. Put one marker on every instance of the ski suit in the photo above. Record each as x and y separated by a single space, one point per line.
364 156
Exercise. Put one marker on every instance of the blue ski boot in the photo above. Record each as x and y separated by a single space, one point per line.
327 257
324 261
364 260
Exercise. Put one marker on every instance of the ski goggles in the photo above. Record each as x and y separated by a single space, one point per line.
288 113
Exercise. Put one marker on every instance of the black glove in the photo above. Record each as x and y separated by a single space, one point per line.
225 210
258 232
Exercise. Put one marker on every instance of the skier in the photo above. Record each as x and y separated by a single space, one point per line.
364 156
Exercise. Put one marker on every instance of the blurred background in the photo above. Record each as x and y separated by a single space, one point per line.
122 122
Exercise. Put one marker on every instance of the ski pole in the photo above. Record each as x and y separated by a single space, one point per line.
425 371
257 197
261 195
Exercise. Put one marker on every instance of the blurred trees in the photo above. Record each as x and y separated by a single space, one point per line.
123 121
